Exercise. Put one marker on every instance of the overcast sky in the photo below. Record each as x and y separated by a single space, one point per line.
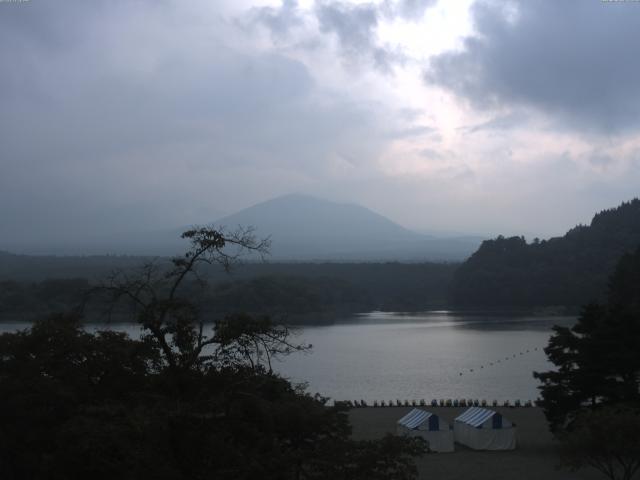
469 116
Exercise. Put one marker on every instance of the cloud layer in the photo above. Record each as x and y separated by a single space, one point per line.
122 115
116 119
571 59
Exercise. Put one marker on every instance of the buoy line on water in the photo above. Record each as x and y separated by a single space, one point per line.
500 360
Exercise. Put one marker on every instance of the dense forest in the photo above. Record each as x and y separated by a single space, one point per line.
296 293
571 270
565 271
185 400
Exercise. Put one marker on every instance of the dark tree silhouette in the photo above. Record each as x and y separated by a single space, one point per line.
598 359
181 402
571 270
605 439
168 318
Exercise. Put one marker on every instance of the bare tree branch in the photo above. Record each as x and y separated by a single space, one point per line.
154 295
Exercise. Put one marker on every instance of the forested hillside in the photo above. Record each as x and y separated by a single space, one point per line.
297 292
569 270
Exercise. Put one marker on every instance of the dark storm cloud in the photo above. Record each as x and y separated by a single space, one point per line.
354 26
278 20
574 59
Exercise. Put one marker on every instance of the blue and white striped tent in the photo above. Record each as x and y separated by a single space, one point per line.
484 429
427 425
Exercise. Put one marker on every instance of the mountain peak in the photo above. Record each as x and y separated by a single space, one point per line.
304 227
303 200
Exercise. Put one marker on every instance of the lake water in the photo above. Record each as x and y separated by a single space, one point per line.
389 356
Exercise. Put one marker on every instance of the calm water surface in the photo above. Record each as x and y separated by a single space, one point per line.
388 356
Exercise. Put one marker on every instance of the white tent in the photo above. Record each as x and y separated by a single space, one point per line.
427 425
483 429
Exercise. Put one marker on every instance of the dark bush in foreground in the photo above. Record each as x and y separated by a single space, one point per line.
181 402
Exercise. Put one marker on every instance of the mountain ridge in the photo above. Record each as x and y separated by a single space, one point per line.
303 227
569 270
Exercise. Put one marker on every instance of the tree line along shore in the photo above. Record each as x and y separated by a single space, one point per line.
557 275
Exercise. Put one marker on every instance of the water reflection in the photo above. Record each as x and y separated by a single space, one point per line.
383 355
438 354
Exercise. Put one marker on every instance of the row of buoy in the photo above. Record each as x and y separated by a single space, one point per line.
434 403
507 358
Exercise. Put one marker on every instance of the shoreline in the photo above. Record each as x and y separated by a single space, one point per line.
442 403
535 456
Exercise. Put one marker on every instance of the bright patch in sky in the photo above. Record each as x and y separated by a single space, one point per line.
471 116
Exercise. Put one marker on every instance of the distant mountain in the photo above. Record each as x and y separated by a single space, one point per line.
570 270
301 227
307 228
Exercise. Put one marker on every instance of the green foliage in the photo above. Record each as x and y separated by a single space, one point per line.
288 296
297 293
55 374
102 406
607 440
598 359
570 270
37 298
182 402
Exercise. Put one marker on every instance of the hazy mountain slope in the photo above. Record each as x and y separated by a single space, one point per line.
307 228
568 270
302 228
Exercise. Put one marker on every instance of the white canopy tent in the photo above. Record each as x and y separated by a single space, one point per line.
483 429
427 425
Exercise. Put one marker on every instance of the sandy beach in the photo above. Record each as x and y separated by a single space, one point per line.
535 457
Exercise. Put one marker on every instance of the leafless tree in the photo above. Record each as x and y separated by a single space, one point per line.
154 292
